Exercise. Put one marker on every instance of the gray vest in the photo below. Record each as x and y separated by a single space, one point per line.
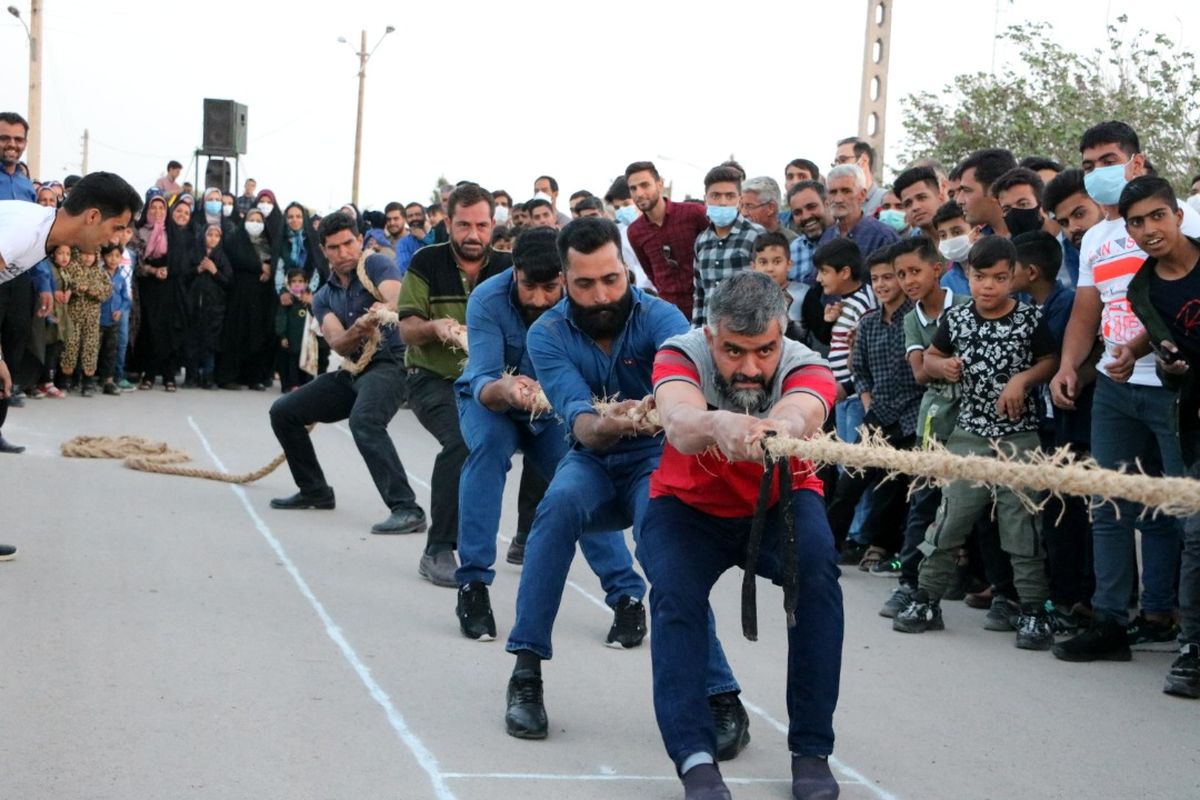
694 345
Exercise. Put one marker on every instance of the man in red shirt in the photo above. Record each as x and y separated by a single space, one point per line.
664 236
720 391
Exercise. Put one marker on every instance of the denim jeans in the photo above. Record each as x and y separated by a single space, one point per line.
1189 573
369 401
122 346
432 399
849 415
684 552
1131 423
590 492
492 439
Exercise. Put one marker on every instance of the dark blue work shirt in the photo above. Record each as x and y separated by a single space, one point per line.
573 370
16 186
352 301
869 234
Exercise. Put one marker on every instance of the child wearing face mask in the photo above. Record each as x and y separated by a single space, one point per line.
291 323
954 242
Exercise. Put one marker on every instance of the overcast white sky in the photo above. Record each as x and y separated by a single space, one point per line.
499 92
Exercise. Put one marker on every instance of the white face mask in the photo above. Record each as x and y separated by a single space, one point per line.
266 209
227 209
255 229
956 248
501 215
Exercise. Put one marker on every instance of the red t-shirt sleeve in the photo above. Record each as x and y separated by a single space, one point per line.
672 365
816 380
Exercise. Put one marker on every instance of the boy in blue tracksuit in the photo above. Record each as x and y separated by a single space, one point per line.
113 315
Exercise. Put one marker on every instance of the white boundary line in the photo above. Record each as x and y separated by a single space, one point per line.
420 752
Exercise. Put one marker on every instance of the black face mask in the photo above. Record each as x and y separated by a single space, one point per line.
1023 220
605 321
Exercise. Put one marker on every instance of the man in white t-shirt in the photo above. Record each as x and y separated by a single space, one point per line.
1132 413
99 207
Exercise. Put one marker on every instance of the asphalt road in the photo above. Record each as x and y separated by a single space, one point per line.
166 637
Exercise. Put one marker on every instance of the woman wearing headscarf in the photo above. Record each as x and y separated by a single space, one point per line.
167 251
249 330
300 251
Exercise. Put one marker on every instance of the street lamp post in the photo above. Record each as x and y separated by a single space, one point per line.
33 149
363 57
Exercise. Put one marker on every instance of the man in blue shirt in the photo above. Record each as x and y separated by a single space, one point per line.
14 183
368 400
498 415
847 191
599 341
415 239
17 296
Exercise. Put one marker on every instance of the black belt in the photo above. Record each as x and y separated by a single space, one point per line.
787 541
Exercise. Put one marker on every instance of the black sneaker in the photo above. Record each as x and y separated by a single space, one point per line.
7 552
526 714
88 388
1002 616
852 553
920 615
1034 631
516 552
1102 641
474 612
1143 631
629 624
887 568
897 602
111 389
732 724
1184 678
1064 621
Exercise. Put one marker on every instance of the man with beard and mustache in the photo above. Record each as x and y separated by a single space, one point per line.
720 391
432 303
664 237
810 218
496 410
598 342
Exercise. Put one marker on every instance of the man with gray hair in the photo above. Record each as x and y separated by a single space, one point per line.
845 193
760 204
721 391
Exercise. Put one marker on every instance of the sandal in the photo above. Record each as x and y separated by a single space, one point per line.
146 384
169 386
872 557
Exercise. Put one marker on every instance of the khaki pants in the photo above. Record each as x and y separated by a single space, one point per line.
962 503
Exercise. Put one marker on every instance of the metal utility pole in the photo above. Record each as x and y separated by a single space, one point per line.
363 57
33 148
872 104
84 164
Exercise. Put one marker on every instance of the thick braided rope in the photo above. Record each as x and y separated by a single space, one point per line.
1058 473
386 318
147 455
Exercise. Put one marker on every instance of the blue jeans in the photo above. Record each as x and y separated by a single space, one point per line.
492 439
122 346
590 492
684 552
848 416
1131 422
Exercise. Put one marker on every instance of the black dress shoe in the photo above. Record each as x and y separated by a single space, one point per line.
16 400
231 387
516 552
404 520
318 500
703 782
526 715
8 447
7 552
257 387
812 779
732 723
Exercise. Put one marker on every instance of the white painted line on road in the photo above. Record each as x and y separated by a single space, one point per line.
411 477
541 776
420 752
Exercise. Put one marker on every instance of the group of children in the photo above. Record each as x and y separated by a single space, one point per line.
917 363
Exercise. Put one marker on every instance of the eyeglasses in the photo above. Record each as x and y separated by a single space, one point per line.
666 254
753 206
839 160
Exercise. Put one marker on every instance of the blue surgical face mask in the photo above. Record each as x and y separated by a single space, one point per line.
627 214
893 219
1104 184
722 216
212 208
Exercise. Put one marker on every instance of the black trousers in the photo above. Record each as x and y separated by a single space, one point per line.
431 398
368 401
16 324
108 351
884 525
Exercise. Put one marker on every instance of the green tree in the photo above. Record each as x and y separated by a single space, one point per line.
436 195
1042 105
